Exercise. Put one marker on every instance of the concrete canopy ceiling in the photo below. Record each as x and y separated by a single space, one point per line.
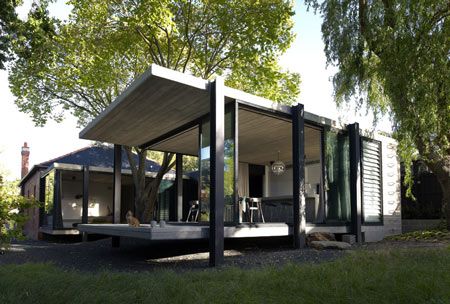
158 102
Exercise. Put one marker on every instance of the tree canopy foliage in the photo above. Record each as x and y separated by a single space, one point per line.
8 22
81 65
394 57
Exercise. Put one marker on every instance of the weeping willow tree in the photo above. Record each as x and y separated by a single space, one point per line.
80 66
394 57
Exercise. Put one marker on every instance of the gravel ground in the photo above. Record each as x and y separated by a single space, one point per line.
131 256
135 256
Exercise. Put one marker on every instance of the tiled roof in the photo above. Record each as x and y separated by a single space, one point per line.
97 156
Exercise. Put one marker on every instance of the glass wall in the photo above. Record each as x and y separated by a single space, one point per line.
205 177
337 177
315 206
72 198
49 192
166 195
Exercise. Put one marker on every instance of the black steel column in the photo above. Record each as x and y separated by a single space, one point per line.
57 194
41 201
355 179
237 208
84 217
217 136
117 183
298 163
179 186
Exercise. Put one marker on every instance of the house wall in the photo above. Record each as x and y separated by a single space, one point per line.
31 189
392 222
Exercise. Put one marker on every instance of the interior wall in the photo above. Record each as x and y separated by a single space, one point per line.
280 185
70 205
313 173
100 199
100 196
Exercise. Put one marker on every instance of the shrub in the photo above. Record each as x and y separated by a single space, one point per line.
12 217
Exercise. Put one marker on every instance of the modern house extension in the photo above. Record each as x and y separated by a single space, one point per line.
265 169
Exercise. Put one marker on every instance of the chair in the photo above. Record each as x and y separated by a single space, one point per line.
255 204
193 211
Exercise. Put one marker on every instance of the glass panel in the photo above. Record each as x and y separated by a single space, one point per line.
49 190
166 194
100 205
337 179
315 209
228 169
72 198
204 172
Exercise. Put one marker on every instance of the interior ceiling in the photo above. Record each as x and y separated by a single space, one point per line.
262 136
260 139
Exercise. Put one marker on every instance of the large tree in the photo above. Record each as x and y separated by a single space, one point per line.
8 22
394 57
81 65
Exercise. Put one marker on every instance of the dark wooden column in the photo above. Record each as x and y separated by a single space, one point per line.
57 195
179 186
298 168
117 183
41 201
84 217
217 135
355 179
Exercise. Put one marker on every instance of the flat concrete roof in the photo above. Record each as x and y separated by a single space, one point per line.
158 102
162 100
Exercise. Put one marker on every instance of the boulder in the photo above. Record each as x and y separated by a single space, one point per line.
320 245
319 236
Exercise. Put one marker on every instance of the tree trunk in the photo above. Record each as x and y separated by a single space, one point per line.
441 168
445 185
146 189
444 181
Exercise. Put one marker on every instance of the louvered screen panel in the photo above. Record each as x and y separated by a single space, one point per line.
372 192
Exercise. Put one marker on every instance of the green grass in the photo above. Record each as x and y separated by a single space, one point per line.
431 235
382 276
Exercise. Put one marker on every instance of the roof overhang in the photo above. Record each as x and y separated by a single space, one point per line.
159 102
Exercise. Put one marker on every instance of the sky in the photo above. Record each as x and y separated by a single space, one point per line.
305 56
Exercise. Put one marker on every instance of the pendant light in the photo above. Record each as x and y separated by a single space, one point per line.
278 167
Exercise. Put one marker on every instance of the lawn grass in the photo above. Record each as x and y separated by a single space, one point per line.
382 276
438 234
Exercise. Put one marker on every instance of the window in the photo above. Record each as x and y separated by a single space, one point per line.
337 177
228 168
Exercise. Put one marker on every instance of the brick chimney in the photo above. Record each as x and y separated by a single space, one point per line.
25 157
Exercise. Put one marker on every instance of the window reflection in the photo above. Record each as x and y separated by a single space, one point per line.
205 174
